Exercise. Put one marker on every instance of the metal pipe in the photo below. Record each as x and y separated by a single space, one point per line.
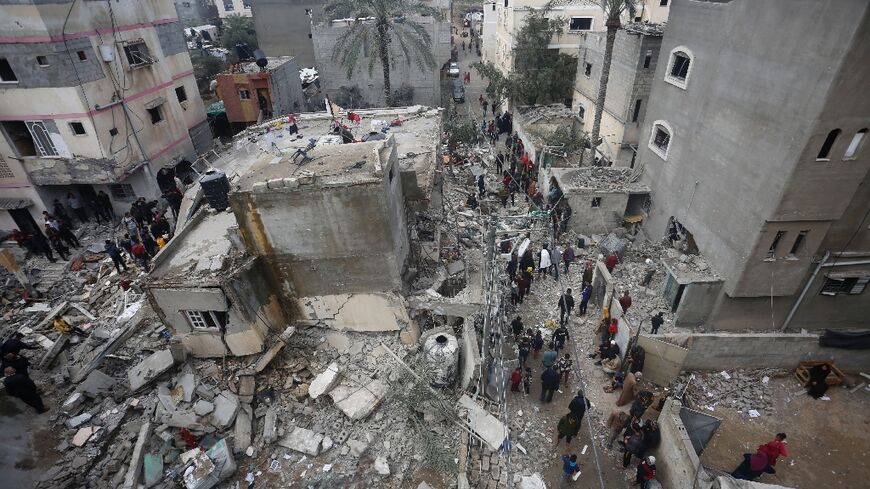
846 263
800 298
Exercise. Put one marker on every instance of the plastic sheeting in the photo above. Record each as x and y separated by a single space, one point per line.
849 340
699 426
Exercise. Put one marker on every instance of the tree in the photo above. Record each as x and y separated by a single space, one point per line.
613 10
378 25
205 67
540 75
239 30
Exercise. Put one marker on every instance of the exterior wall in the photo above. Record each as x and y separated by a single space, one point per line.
286 89
735 135
53 93
228 89
226 8
629 81
653 12
15 185
697 301
192 13
284 27
677 464
426 83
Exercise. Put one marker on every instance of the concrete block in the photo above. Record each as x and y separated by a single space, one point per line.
303 440
381 465
187 381
487 426
267 357
182 419
357 403
153 469
205 392
259 188
132 478
83 435
243 429
164 395
357 447
78 420
226 407
97 384
247 386
270 425
325 381
149 369
201 475
276 183
73 403
203 407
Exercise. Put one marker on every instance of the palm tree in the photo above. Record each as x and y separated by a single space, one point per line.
376 26
613 10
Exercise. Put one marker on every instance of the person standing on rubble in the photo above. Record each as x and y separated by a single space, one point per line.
19 385
114 253
130 223
563 366
537 343
512 265
516 379
41 245
625 302
646 471
549 384
584 298
545 262
657 322
649 271
567 428
517 328
106 203
566 305
59 211
140 254
610 262
569 468
77 207
579 405
57 243
481 185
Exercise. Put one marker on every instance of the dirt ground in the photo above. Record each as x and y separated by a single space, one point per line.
827 441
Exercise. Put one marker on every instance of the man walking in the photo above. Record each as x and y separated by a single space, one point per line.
115 254
566 305
549 384
560 335
625 302
578 406
568 257
517 327
657 322
544 264
567 428
584 298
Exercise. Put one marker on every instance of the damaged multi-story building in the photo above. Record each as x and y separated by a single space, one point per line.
318 228
93 96
757 160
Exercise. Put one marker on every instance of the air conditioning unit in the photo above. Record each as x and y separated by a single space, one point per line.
107 52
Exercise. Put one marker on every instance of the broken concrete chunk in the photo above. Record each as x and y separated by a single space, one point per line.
205 392
487 426
327 443
83 435
534 481
97 384
78 420
303 440
243 429
149 369
182 419
325 381
153 468
270 425
203 407
381 465
357 403
187 382
357 447
247 386
72 403
226 406
165 397
199 474
267 357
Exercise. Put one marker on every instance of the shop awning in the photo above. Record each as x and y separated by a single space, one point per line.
9 204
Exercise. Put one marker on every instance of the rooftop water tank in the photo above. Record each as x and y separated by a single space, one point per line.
216 188
441 354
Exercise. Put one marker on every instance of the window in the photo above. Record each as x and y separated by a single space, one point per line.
798 244
137 54
580 24
855 144
771 252
206 319
587 69
246 3
636 113
844 285
42 61
77 128
663 3
679 67
6 73
181 94
156 114
244 95
596 202
228 5
660 138
82 55
581 112
828 144
123 191
647 59
41 138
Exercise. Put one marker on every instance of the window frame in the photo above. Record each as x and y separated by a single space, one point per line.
596 203
685 52
591 23
774 245
846 285
831 138
855 144
42 64
134 48
12 71
122 191
199 320
662 153
635 114
798 245
82 55
647 59
245 91
587 69
183 92
74 132
159 112
42 146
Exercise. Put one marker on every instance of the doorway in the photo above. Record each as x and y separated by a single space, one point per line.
24 221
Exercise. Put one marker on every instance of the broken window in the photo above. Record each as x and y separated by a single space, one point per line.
596 202
580 24
42 61
771 252
855 144
636 112
137 53
77 128
660 139
680 66
181 94
828 144
647 59
123 191
30 138
206 319
663 3
6 73
844 285
156 114
588 69
798 244
228 5
244 95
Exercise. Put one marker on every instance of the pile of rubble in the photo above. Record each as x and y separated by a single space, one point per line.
745 391
609 178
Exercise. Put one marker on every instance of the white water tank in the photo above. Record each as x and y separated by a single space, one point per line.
441 354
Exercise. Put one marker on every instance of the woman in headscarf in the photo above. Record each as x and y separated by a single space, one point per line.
752 467
818 384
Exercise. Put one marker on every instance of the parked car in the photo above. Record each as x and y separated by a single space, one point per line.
453 70
458 91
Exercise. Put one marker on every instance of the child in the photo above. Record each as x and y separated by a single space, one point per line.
524 345
564 367
516 378
527 380
569 468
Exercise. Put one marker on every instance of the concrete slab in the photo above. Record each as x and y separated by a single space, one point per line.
267 357
72 403
356 312
270 425
164 395
187 381
243 429
226 406
203 407
303 440
79 420
359 402
83 435
149 369
247 386
97 384
325 381
485 425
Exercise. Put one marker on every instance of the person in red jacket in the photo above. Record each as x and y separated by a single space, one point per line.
610 262
775 448
646 471
625 301
140 253
516 379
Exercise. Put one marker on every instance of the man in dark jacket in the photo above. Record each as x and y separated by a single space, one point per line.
20 386
115 254
657 322
578 406
517 327
16 361
549 384
566 305
13 344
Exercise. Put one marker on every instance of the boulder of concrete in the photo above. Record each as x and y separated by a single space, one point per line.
357 403
325 381
303 440
270 425
534 481
73 403
226 406
79 420
149 369
247 386
381 465
203 407
97 384
357 447
243 429
187 381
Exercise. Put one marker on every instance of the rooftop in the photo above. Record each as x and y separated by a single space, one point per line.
201 248
599 179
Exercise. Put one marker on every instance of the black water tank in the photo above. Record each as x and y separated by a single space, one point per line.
216 188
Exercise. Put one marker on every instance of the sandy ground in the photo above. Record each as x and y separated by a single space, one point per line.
827 441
